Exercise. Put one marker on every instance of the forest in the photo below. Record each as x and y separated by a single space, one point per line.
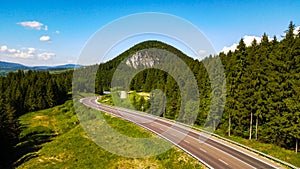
262 91
23 92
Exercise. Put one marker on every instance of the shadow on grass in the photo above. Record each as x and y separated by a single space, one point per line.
31 142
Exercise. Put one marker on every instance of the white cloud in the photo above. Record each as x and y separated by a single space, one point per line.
46 28
57 32
45 56
31 24
45 38
296 31
3 48
31 50
25 53
248 41
12 50
232 48
16 53
202 52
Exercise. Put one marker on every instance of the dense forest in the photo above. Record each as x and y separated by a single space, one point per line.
262 96
22 92
263 88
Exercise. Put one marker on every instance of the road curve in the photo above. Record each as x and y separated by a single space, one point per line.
209 151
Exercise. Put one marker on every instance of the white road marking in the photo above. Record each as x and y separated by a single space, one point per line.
173 134
223 161
202 150
228 154
161 129
186 141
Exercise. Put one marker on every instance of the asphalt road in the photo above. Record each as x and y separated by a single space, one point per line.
208 150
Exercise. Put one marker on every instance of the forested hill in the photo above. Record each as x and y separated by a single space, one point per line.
263 88
11 66
147 45
107 69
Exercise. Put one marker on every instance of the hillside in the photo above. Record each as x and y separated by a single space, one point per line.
11 66
106 70
52 138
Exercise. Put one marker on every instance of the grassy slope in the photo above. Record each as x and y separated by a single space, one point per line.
52 138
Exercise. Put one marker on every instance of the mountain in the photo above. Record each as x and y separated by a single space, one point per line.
59 67
149 44
6 67
67 66
143 54
11 66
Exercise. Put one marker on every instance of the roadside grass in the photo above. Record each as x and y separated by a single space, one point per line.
106 99
144 94
53 138
117 124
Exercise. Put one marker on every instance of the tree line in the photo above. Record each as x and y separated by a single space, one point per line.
23 92
263 90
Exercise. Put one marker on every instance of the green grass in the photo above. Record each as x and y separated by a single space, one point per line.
53 138
106 99
58 71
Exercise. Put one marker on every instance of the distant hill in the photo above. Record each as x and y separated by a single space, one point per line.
6 67
67 66
11 66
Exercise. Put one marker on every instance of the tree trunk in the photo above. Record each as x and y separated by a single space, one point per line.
250 134
296 149
214 124
256 128
229 125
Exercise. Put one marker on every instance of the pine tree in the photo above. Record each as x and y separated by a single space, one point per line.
9 131
290 32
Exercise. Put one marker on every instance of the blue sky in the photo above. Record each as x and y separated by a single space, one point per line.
54 32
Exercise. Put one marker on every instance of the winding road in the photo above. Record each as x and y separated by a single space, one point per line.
210 151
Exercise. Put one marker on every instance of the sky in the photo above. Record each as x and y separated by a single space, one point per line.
55 32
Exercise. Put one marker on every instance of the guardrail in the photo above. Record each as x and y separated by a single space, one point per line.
238 144
225 139
250 149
